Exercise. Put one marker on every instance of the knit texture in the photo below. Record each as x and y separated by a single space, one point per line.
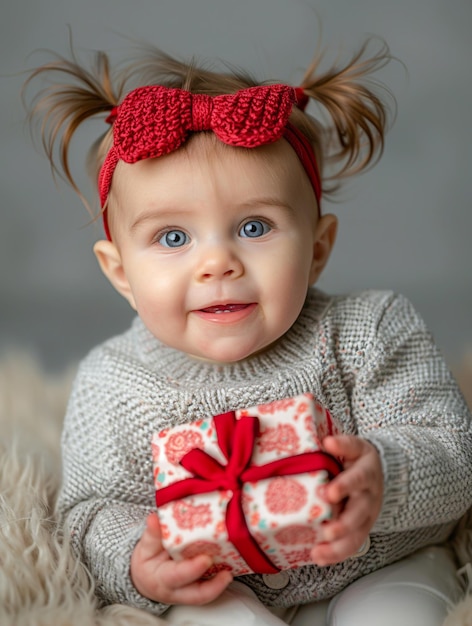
153 121
367 357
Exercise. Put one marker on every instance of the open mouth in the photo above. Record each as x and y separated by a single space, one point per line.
225 308
226 313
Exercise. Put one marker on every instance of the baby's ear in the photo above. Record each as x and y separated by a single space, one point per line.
325 236
110 261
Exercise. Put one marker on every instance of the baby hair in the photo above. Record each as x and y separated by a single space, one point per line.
346 129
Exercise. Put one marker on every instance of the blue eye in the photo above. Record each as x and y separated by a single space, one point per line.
254 228
174 239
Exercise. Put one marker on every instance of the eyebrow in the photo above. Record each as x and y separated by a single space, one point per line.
154 214
252 203
266 201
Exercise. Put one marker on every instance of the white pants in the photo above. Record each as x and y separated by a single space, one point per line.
416 591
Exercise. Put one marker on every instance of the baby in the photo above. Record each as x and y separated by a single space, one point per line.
211 191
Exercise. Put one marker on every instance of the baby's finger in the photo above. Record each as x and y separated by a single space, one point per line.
150 544
182 573
348 447
202 591
340 550
345 485
356 515
357 478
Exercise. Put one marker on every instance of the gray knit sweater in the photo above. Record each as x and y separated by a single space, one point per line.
367 357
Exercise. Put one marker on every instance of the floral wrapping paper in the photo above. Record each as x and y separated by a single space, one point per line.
282 513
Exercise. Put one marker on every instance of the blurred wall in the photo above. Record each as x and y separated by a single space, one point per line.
406 225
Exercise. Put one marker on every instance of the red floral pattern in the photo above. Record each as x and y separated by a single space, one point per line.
278 405
282 438
219 567
179 443
261 538
285 495
283 513
188 516
297 557
246 502
315 512
297 533
200 547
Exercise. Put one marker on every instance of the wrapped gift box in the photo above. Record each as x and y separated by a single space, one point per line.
244 486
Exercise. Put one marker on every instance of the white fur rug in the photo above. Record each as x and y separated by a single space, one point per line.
41 583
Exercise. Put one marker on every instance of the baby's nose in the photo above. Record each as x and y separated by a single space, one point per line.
219 262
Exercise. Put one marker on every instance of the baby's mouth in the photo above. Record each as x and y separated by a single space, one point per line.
224 308
227 312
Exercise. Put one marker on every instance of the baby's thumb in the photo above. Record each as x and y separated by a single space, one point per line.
151 539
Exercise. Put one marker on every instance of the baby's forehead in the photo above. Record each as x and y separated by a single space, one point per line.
279 157
205 172
205 150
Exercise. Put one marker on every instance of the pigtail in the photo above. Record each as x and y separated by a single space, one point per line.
348 141
357 115
63 106
80 94
156 67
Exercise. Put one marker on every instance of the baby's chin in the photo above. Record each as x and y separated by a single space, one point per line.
231 357
223 359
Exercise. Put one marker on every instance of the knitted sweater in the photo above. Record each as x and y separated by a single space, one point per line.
367 357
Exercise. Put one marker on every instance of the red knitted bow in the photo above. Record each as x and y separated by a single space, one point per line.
153 121
236 439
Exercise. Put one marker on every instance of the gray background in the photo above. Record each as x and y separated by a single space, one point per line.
405 225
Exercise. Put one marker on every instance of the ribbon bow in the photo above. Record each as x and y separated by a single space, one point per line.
236 439
153 121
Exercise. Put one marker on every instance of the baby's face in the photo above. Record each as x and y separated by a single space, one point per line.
217 246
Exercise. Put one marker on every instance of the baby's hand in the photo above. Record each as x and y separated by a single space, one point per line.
360 488
158 577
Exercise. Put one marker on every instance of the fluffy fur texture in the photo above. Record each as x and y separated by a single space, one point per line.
41 583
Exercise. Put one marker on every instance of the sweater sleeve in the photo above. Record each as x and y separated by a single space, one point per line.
107 489
408 405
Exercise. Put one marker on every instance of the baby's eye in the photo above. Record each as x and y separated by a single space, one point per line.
254 228
173 239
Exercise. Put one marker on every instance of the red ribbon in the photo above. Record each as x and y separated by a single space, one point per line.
236 439
155 120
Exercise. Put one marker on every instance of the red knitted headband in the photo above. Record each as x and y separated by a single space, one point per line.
153 121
